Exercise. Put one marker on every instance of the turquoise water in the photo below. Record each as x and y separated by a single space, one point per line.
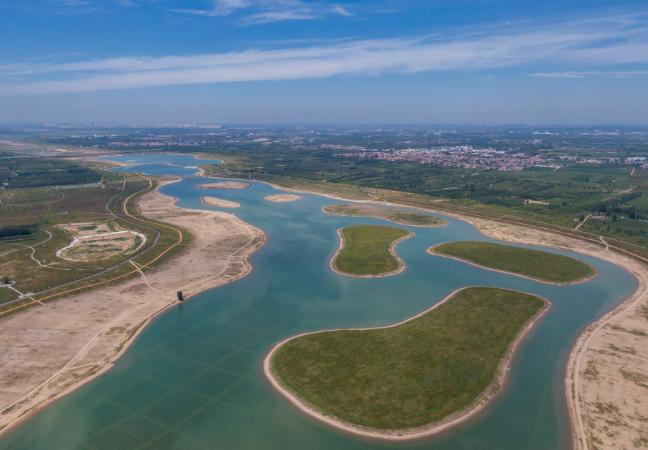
194 380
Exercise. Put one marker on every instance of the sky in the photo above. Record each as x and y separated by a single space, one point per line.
140 62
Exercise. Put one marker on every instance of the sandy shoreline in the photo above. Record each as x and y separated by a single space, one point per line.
392 251
77 338
432 251
282 198
496 386
219 202
330 213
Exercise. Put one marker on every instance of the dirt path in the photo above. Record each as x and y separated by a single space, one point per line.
51 351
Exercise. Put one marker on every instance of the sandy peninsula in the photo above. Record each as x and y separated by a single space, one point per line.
283 198
219 202
53 349
224 185
481 402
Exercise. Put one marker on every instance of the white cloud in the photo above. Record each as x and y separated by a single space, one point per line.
593 74
591 46
265 11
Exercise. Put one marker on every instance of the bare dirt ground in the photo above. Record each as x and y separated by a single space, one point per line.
283 198
225 185
220 203
607 374
50 350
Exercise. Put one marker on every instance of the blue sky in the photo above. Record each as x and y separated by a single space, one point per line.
380 61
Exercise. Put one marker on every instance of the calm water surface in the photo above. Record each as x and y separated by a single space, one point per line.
194 380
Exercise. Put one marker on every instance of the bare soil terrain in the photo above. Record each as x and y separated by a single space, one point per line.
283 198
225 185
52 349
220 203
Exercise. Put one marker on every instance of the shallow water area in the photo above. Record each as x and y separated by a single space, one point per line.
194 379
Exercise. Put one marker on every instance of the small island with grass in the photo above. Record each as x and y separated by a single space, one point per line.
411 379
369 251
396 215
534 264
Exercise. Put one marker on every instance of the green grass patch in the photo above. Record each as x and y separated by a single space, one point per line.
536 264
394 214
412 374
366 249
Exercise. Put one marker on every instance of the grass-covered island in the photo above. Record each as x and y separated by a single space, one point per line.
395 215
369 251
411 379
539 265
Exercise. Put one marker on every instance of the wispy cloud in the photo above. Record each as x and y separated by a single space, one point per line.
592 46
593 74
253 12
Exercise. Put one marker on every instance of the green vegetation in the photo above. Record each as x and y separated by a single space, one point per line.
536 264
393 214
412 374
31 260
366 250
36 172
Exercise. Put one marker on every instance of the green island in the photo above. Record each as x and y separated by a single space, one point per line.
408 377
539 265
396 215
368 250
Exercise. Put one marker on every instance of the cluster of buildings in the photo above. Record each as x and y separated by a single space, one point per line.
464 156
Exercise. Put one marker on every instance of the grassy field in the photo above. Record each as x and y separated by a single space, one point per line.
412 374
366 250
32 262
531 263
393 214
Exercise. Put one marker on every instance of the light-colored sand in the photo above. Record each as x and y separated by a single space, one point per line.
50 350
481 402
225 185
283 198
392 251
220 203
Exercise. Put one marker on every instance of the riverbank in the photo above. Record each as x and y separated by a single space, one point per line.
608 410
54 349
478 404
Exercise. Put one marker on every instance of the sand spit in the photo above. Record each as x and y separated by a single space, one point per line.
283 198
51 350
224 185
481 402
219 202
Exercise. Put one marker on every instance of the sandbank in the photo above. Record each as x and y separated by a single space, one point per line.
219 202
282 198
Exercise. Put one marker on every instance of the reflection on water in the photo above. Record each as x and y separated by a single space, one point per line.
193 380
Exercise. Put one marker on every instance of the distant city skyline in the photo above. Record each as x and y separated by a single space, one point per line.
288 61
